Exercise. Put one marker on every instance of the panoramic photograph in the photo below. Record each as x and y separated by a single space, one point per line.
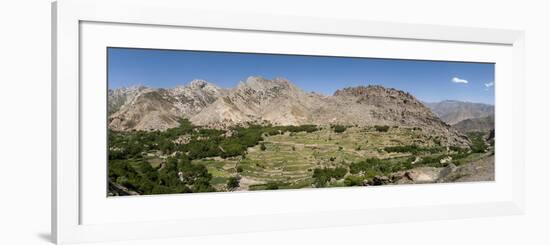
182 121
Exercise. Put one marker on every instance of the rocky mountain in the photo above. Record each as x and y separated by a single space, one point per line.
380 106
452 111
482 124
121 96
278 102
159 109
257 99
377 105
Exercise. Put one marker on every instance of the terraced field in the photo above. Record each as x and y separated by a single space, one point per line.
289 159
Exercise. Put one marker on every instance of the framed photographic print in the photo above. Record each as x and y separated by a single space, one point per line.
168 137
172 122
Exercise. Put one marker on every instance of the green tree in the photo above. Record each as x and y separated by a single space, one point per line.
232 183
322 176
339 128
384 128
272 186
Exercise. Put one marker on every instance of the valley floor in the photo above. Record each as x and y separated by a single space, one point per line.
289 160
326 157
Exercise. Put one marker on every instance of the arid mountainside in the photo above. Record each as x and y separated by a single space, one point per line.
452 111
376 105
121 96
277 102
159 109
482 124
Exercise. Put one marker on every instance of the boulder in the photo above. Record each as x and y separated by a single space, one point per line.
446 159
416 176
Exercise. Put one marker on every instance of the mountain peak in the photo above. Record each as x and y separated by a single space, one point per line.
454 111
131 88
198 83
255 79
452 101
197 86
259 83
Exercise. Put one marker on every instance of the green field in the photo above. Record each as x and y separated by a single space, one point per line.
271 157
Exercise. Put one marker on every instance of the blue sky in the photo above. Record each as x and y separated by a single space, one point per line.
427 80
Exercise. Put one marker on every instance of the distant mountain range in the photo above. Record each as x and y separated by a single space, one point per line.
465 116
482 124
278 102
453 111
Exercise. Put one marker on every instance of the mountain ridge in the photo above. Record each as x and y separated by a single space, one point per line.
280 102
480 124
455 111
159 109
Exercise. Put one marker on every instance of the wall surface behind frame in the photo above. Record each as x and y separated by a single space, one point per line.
25 122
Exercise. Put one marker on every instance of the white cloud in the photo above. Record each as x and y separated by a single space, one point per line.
459 80
489 84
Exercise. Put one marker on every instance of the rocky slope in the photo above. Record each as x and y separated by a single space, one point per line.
278 102
159 109
376 105
452 111
118 97
483 124
482 169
